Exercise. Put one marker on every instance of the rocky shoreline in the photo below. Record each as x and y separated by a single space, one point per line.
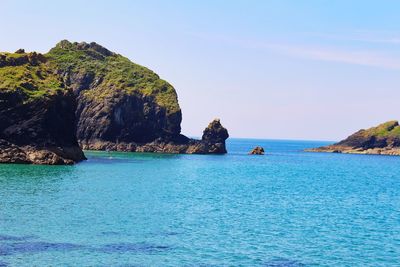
212 142
83 96
352 150
383 139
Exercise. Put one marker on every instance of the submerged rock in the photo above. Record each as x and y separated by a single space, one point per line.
81 95
257 151
383 139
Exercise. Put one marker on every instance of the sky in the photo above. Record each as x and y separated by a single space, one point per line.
308 70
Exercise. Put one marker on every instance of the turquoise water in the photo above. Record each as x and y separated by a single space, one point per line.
287 208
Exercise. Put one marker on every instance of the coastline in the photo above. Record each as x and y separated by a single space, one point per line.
359 151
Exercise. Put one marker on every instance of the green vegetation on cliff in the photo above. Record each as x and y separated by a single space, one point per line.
384 130
81 95
27 74
35 75
114 72
382 139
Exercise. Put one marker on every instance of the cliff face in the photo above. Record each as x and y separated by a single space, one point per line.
83 93
36 114
382 139
118 101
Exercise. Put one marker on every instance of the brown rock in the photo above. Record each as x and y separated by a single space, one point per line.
257 151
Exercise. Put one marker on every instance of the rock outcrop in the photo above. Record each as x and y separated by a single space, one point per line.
82 95
214 143
383 139
257 151
37 116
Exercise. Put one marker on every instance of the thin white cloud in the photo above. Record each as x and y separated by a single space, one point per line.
361 36
366 57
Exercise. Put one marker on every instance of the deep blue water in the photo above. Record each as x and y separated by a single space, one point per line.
287 208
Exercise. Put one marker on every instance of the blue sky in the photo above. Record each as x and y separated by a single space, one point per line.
269 69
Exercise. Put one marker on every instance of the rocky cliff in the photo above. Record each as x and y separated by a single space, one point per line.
382 139
82 95
37 114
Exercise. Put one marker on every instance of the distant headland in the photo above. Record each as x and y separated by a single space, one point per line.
383 139
83 96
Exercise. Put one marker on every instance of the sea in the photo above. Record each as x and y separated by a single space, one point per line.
287 208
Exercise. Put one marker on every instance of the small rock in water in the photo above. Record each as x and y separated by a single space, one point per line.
257 151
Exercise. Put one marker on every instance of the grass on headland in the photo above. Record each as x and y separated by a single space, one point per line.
117 73
114 72
31 80
387 129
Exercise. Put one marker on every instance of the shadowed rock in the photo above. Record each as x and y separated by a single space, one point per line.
40 131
